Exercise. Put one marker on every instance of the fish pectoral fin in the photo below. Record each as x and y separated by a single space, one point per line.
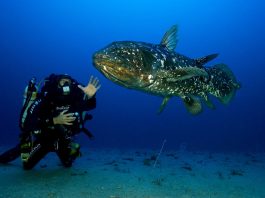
192 104
164 103
170 38
186 73
148 60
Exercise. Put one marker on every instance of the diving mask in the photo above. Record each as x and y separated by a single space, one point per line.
65 84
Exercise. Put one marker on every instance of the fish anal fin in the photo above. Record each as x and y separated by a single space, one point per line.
227 98
207 101
192 104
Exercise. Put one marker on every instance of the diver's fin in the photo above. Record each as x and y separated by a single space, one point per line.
164 103
185 73
170 38
192 104
10 155
201 61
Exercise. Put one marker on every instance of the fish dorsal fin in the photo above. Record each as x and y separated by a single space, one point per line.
170 38
192 104
201 61
185 73
164 103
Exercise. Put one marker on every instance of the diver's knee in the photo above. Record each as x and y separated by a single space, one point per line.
27 166
67 164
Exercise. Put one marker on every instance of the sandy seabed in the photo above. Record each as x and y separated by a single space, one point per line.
113 173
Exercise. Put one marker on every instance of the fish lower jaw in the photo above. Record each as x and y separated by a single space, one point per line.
112 77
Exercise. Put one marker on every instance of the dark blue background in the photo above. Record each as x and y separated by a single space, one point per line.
59 36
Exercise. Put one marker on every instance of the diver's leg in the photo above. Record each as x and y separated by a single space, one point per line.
37 153
67 151
10 154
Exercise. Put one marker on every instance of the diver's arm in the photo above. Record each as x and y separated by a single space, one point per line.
90 103
40 116
87 95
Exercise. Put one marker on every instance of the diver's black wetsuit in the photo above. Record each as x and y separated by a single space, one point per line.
10 154
42 135
50 137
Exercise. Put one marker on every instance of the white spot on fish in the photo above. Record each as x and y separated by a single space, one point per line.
162 63
150 77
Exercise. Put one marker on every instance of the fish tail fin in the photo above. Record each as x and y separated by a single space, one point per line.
224 83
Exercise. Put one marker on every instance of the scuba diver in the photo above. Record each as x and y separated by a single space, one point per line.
51 118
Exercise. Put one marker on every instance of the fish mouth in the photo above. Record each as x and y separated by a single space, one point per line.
103 61
104 64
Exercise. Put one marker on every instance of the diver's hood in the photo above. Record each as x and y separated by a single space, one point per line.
59 94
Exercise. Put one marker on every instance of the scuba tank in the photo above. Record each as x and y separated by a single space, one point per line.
26 141
30 95
24 147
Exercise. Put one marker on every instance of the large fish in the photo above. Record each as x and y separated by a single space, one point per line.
159 70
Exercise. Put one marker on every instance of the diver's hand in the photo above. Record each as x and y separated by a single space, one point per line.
64 118
91 88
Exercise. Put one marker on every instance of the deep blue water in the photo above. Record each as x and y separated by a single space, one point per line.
42 37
